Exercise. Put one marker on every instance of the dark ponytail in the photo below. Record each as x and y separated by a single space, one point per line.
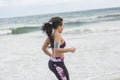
48 27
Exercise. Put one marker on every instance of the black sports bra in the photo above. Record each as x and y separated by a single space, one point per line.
63 45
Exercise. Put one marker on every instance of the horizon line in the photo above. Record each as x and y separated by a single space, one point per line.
57 13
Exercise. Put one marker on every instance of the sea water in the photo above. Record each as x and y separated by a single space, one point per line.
94 34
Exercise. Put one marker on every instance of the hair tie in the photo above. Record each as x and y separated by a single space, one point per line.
50 23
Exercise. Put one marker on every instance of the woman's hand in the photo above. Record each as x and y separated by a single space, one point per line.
72 49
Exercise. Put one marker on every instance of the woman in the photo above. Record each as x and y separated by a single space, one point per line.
53 28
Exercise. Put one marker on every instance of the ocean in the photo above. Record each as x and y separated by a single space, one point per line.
94 34
20 25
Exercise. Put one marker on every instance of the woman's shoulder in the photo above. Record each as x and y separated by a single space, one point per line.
47 40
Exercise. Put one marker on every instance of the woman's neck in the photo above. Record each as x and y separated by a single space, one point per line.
56 31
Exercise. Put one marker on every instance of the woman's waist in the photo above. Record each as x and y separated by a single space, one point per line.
58 55
57 59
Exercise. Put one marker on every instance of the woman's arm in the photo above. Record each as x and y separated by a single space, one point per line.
64 50
45 46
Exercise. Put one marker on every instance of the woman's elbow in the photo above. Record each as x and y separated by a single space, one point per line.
43 48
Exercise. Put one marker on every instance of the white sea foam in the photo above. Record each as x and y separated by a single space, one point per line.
5 31
94 28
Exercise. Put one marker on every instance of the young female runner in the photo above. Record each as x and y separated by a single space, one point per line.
53 28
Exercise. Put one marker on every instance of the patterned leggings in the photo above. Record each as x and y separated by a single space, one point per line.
58 67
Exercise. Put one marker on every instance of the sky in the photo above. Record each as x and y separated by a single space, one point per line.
16 8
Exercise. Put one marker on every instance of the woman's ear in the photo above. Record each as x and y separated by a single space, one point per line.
59 27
